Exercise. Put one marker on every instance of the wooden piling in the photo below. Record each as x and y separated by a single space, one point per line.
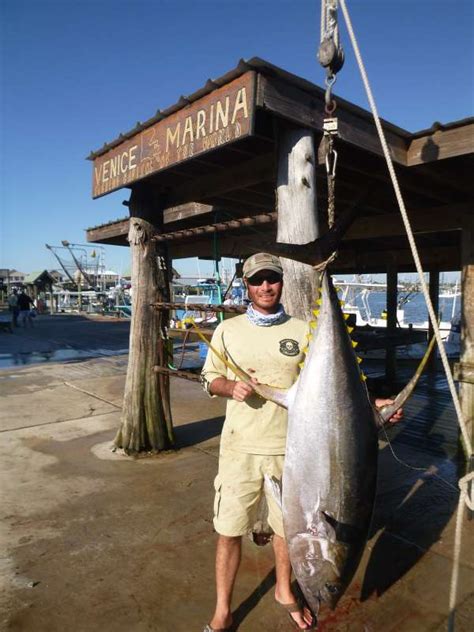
297 215
146 423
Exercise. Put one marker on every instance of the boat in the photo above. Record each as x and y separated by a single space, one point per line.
358 296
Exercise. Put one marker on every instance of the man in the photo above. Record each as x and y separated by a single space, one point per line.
25 304
13 307
267 343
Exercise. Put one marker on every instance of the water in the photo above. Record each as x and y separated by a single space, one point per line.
23 358
415 309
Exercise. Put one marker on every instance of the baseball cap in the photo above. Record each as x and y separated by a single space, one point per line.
261 261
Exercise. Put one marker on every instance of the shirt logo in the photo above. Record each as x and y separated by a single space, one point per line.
289 347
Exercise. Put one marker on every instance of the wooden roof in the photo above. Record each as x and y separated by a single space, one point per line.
212 158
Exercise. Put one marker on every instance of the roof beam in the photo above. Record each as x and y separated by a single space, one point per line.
441 143
307 109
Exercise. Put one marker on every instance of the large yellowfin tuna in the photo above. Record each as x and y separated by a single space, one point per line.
330 468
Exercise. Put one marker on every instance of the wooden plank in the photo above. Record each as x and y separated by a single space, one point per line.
433 220
219 118
200 307
441 144
437 219
109 233
351 261
307 110
185 211
248 173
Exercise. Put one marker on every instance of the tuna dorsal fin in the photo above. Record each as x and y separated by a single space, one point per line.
387 411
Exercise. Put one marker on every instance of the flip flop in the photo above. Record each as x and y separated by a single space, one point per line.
208 628
296 607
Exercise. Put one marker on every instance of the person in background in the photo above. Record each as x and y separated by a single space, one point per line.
25 303
13 307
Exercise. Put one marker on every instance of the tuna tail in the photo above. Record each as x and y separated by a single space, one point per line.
387 411
272 393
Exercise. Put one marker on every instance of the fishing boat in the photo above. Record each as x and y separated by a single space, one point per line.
360 299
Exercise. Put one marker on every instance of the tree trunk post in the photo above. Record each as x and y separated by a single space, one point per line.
465 368
297 216
146 423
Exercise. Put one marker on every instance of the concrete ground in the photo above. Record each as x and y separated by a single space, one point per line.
93 540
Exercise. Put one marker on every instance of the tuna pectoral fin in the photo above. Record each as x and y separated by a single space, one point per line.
273 487
387 411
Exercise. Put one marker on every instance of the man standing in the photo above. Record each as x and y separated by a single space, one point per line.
267 343
13 307
25 304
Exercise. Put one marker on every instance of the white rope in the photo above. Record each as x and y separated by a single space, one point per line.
464 498
411 239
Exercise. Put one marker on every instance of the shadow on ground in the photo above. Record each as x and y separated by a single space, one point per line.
198 431
419 503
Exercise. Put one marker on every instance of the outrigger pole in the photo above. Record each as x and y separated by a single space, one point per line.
60 263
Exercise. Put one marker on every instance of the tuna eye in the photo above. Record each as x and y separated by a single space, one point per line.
332 588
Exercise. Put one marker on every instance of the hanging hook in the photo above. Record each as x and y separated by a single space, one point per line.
329 101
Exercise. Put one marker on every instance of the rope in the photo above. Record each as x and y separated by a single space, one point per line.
411 239
467 499
413 467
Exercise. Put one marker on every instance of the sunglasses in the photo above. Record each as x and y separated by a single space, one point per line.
269 277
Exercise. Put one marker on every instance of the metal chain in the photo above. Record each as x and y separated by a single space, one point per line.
331 158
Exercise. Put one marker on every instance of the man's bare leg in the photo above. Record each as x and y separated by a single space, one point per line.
228 555
283 592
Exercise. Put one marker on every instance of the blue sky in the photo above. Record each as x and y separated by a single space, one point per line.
76 73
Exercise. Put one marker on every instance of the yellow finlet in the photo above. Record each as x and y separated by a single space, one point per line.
359 360
363 377
342 303
315 312
309 336
318 301
346 316
305 349
354 343
312 324
350 329
301 365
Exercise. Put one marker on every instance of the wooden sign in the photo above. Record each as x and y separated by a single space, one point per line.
221 117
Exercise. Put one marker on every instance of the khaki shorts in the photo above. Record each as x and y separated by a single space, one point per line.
239 485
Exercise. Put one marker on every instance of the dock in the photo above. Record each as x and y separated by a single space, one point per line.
95 540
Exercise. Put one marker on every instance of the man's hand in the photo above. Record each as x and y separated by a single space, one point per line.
242 390
237 390
396 417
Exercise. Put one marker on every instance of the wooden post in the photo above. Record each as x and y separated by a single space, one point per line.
297 215
391 351
466 363
146 423
434 296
